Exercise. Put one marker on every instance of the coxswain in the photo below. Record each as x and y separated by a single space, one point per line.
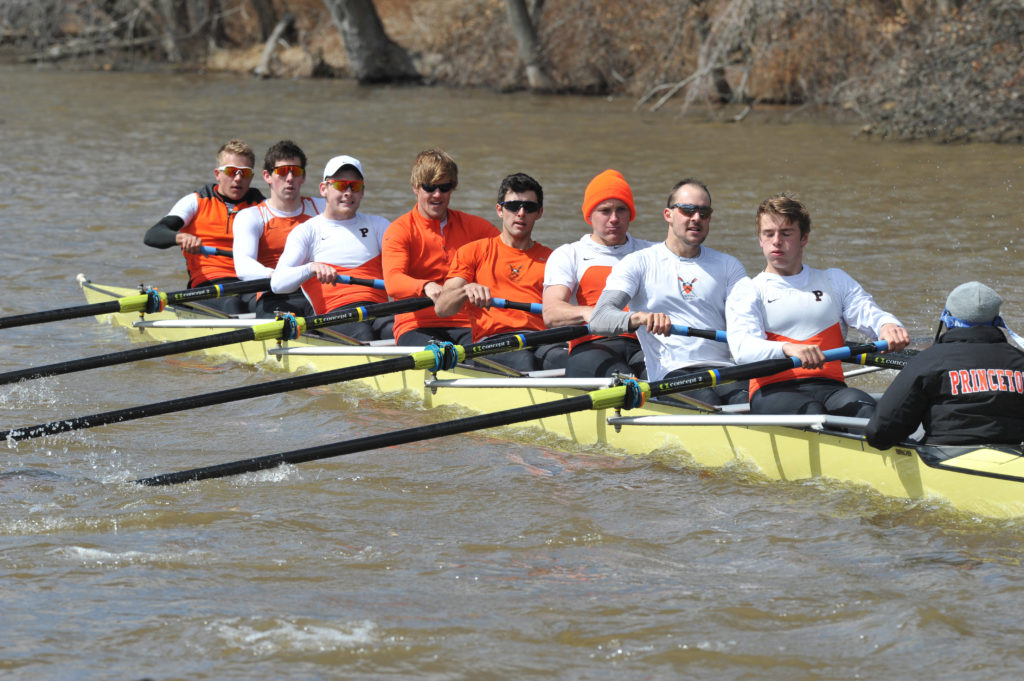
966 389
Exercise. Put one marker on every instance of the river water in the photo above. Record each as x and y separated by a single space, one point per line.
472 557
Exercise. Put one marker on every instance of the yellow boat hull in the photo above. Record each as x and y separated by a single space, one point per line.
984 481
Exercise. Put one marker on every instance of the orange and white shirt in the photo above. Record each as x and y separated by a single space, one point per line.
210 216
583 266
509 273
814 307
261 233
351 247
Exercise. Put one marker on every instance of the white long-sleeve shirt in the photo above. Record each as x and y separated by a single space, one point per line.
797 307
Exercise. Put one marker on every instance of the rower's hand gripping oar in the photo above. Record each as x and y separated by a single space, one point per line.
149 301
286 328
630 394
432 358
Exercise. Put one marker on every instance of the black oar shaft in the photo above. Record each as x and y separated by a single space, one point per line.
436 430
268 331
890 361
413 361
106 307
125 356
218 291
209 399
119 305
741 372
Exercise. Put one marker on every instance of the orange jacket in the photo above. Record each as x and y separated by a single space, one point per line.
415 252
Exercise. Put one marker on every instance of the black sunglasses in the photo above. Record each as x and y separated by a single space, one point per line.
445 188
514 206
688 209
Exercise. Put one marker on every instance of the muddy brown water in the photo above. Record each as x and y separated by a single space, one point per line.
469 558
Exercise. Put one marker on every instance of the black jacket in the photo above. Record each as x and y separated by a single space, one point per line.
966 389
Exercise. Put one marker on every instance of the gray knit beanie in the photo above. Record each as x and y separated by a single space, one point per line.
973 302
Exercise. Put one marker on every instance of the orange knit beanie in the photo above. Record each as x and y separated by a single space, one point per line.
608 185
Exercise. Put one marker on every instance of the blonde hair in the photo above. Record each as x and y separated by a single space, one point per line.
433 165
237 147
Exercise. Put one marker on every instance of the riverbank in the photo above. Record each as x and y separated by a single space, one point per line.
921 69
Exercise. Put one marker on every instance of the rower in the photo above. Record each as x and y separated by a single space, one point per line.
261 231
576 273
967 388
792 310
205 217
508 265
678 281
341 241
418 248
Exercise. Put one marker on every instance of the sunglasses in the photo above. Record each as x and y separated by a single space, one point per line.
236 171
297 171
688 209
342 185
514 206
444 188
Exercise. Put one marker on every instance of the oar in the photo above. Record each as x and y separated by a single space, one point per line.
710 334
892 360
629 395
210 250
283 329
426 359
149 301
535 308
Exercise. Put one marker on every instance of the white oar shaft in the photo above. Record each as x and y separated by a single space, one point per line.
199 323
524 382
794 420
347 351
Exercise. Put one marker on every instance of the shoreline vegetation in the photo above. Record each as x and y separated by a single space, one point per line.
938 70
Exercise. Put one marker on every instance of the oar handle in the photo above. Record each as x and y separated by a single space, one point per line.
218 291
364 312
741 372
373 283
210 250
710 334
533 308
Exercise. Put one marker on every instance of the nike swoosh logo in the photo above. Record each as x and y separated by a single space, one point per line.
771 300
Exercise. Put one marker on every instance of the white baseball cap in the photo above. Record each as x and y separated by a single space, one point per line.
339 162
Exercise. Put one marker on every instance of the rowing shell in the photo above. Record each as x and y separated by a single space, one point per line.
987 481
